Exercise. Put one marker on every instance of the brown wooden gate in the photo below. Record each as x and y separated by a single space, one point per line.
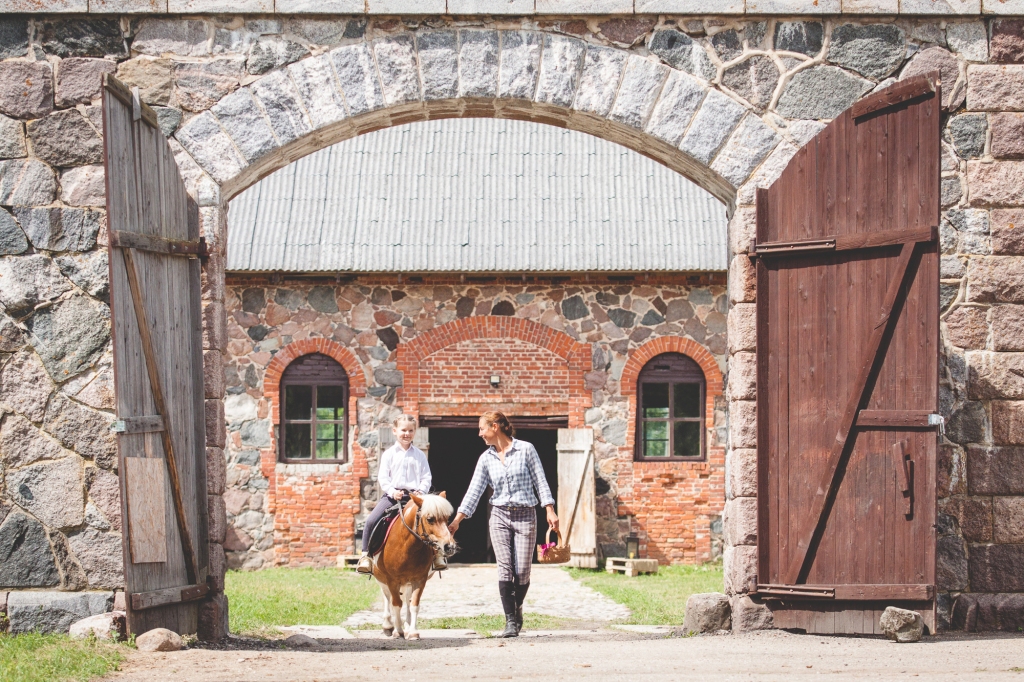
847 347
158 368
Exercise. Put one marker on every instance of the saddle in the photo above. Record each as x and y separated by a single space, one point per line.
379 533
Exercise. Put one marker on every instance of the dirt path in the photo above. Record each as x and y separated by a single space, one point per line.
597 655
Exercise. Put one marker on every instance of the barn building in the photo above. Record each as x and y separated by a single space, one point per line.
449 268
889 130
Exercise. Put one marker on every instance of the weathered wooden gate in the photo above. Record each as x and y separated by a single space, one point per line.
158 368
847 347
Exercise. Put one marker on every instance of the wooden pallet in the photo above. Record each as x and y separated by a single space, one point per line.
631 567
348 561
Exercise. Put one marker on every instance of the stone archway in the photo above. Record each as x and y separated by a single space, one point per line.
641 102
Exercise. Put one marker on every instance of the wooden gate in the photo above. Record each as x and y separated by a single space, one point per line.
847 347
158 368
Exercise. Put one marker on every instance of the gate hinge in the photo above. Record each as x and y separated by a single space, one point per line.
938 420
118 426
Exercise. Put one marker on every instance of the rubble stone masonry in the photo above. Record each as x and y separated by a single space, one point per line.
725 99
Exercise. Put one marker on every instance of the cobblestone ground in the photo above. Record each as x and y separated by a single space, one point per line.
473 591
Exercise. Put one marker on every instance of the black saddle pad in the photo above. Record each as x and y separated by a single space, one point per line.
379 533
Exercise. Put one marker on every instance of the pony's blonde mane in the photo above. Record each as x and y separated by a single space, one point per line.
435 505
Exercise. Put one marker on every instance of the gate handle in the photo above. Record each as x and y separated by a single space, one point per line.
905 472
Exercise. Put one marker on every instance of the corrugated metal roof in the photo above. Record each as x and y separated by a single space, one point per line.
476 195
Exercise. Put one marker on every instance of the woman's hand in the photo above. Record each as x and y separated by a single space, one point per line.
552 517
454 525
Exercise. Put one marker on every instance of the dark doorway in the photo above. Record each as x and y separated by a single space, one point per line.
453 456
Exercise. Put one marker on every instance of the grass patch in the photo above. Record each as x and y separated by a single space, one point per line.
263 600
33 657
485 625
658 599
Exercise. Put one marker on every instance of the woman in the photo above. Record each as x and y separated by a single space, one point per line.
513 469
403 469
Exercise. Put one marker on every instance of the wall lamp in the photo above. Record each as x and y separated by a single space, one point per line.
495 380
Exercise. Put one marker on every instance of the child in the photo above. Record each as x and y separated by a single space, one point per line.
403 469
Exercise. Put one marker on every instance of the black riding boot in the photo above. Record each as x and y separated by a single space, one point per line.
520 598
507 590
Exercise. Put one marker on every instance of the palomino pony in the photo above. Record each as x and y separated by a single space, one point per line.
404 565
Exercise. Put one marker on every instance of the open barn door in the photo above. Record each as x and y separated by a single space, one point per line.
158 368
576 492
847 348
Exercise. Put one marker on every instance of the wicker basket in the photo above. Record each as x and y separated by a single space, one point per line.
559 554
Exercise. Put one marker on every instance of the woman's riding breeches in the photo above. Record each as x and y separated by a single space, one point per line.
513 536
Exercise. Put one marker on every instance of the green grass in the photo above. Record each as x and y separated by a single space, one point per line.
33 657
658 599
263 600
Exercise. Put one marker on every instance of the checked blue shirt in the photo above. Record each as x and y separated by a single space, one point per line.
513 482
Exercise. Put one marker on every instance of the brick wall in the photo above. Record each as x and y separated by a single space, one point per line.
429 348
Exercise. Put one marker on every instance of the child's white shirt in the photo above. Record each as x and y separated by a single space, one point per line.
403 470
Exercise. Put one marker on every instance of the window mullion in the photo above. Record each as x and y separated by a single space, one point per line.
312 430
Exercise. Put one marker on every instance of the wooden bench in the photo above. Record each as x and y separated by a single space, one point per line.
348 561
631 567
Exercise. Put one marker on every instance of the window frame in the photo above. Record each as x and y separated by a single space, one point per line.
671 378
312 421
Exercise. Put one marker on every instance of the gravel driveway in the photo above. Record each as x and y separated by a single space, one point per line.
597 655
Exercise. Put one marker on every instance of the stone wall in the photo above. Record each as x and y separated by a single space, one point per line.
725 99
301 514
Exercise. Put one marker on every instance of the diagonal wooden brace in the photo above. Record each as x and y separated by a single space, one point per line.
840 452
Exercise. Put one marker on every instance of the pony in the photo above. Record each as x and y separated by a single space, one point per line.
403 566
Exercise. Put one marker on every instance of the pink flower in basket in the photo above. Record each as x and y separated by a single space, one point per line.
544 548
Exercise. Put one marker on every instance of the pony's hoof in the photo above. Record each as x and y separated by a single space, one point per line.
412 635
388 631
396 635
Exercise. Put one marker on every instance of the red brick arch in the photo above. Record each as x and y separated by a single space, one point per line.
295 350
673 344
575 354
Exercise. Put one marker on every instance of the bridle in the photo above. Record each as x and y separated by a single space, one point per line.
417 523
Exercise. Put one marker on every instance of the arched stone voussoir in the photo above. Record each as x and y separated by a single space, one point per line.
634 100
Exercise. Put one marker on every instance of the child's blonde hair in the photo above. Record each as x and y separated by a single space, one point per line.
405 419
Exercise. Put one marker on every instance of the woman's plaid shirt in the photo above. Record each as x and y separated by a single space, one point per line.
514 482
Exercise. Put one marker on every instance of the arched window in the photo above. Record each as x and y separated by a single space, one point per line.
670 409
314 400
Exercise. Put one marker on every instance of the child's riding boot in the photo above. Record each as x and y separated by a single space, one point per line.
365 565
440 563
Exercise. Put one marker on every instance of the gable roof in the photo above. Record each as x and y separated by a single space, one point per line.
476 195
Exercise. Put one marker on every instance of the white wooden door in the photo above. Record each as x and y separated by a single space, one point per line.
576 478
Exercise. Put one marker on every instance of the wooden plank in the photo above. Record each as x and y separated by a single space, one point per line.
763 343
145 424
894 95
850 242
903 419
846 592
146 485
145 334
170 595
826 489
156 244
